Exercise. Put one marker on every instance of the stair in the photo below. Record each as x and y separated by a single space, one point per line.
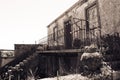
116 75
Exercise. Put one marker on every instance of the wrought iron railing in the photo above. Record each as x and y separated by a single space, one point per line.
80 31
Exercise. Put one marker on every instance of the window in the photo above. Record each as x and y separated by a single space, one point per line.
92 16
55 33
92 27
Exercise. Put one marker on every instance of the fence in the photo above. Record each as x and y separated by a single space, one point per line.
79 30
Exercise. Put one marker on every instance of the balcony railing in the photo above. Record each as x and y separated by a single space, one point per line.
80 30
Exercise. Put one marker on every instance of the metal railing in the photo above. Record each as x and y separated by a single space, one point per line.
80 31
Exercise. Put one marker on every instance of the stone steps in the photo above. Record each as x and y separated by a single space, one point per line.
116 75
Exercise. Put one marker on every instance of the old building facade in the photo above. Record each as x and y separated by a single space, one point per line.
86 20
85 23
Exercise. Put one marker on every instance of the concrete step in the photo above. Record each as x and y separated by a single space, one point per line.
116 75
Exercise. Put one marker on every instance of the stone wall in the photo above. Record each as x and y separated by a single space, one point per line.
25 49
109 16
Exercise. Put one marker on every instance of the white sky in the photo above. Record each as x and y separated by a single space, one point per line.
25 21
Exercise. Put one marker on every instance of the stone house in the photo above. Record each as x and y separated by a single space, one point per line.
86 20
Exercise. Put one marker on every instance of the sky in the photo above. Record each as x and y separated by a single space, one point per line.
25 21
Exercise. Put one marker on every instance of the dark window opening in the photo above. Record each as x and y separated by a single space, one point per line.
55 33
67 34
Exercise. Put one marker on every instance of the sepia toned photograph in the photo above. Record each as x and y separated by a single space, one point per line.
60 40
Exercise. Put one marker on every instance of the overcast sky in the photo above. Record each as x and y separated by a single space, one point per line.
25 21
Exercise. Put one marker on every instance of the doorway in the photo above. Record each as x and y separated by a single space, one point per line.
67 34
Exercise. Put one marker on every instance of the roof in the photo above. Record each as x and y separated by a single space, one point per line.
80 2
